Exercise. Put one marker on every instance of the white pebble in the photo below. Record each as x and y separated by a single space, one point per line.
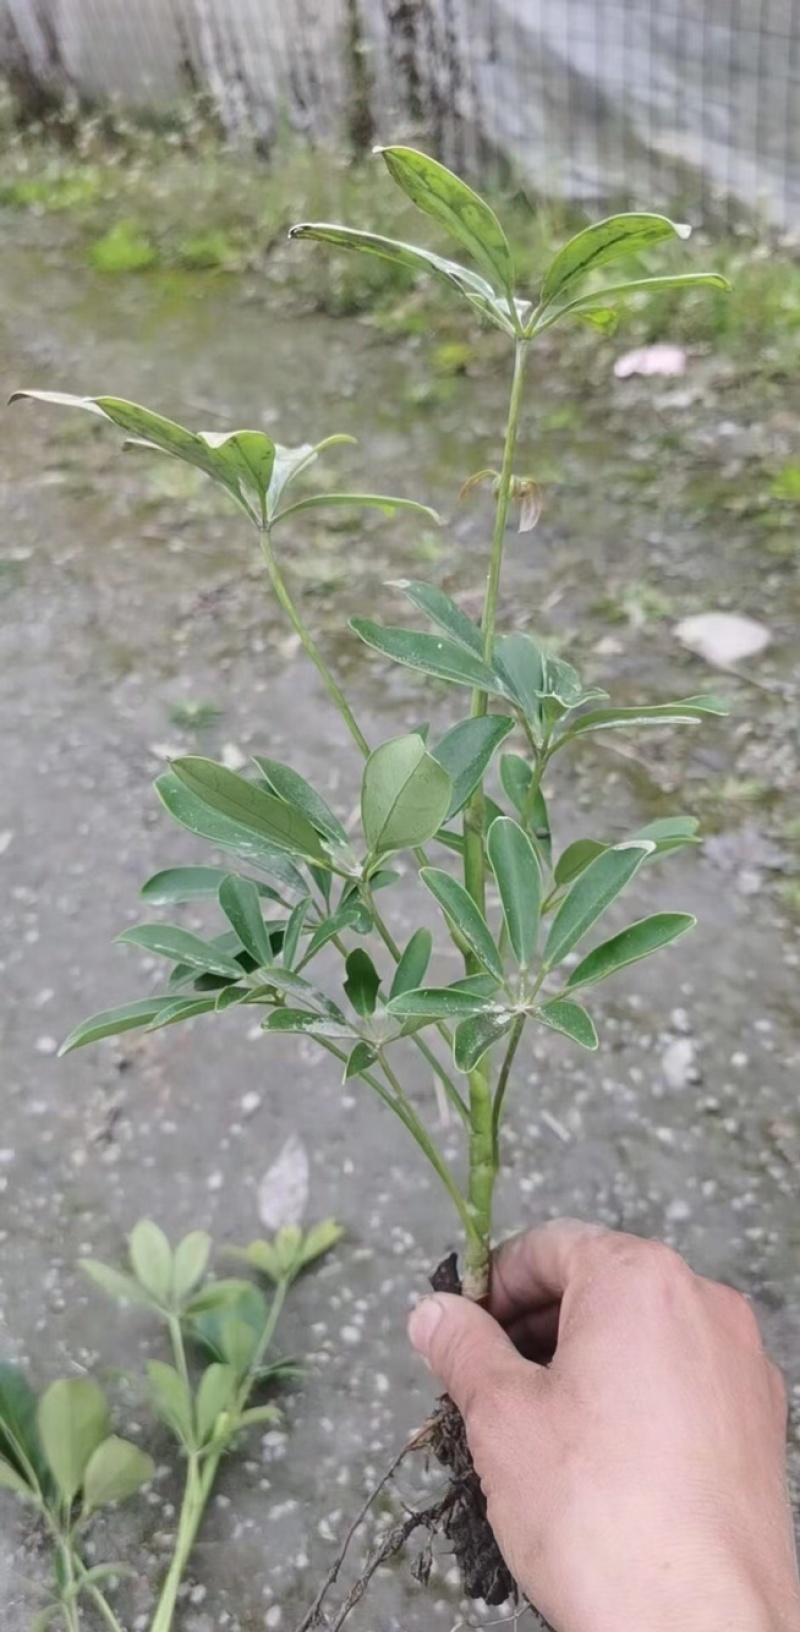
46 1045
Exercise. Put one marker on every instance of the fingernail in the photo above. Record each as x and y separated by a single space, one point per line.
423 1323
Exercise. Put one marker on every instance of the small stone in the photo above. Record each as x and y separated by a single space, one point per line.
723 638
46 1045
680 1022
250 1103
215 1181
679 1064
232 757
677 1211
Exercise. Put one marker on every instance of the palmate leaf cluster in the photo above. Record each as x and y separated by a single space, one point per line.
295 881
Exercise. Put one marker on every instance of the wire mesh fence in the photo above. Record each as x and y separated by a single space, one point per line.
592 101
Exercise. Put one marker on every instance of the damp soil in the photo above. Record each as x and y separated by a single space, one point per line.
134 620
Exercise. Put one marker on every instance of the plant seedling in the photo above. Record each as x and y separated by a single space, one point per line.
526 915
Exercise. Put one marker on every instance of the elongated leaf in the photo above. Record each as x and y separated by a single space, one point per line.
216 1296
241 904
362 983
561 1014
670 832
593 305
290 786
311 1025
231 1333
413 965
115 1470
195 815
690 712
456 207
473 1038
124 1288
352 914
519 880
11 1480
113 1022
241 462
294 927
171 1399
431 654
466 751
216 1393
616 238
440 1003
474 288
20 1443
190 1263
575 859
168 941
521 663
359 1059
591 893
228 794
151 1259
292 462
562 685
384 502
465 917
516 775
73 1420
638 941
405 796
184 1008
191 884
442 611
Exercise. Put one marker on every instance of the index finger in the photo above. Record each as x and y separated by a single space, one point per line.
532 1271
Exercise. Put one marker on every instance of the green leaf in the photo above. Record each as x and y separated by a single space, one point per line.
561 1014
312 1025
20 1443
462 213
575 859
670 832
405 796
115 1470
594 306
519 880
465 917
241 903
690 712
183 1009
412 968
292 462
591 893
294 927
113 1022
195 815
562 685
13 1481
474 288
231 1334
521 663
351 914
319 1240
73 1421
151 1260
189 1264
227 794
473 1038
441 1003
293 788
216 1393
466 751
431 654
639 940
118 1285
614 239
241 462
516 775
257 1415
168 941
360 1058
384 502
171 1400
362 983
216 1295
191 884
442 611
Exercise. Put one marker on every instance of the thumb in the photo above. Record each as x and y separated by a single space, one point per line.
466 1349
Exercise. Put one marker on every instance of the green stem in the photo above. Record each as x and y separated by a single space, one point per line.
101 1603
482 1167
195 1495
69 1605
310 647
502 1084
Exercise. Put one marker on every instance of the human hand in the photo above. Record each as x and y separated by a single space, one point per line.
629 1432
